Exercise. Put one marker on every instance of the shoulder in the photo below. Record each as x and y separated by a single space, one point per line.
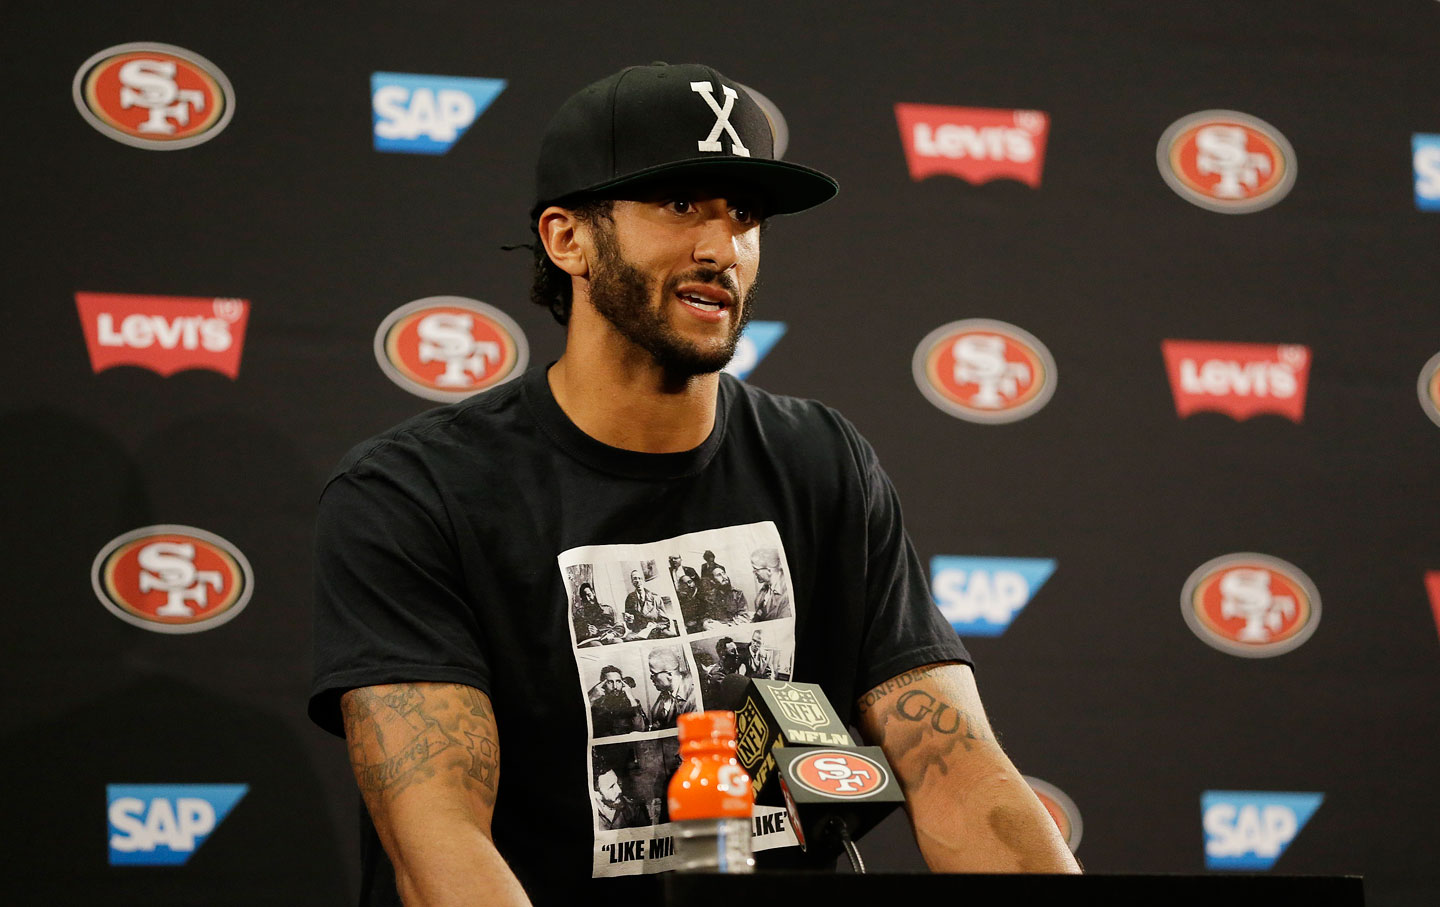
429 439
795 423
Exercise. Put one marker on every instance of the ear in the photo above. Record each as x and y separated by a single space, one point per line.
564 241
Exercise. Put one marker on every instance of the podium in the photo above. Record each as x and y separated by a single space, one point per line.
946 890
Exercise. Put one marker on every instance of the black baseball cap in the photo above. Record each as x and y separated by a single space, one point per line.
662 120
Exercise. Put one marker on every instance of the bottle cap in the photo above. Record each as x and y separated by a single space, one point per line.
714 729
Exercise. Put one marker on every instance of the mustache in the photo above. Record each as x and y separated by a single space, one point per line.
723 279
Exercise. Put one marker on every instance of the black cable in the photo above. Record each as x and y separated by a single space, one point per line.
851 851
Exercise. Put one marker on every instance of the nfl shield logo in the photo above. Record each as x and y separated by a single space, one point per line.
801 706
750 744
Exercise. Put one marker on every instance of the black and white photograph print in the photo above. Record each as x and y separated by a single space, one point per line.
615 691
721 672
623 786
596 623
672 685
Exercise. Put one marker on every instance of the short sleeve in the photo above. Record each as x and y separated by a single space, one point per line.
904 629
390 602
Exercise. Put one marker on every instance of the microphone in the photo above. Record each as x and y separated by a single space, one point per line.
797 752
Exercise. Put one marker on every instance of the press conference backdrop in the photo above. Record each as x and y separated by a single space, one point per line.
1138 304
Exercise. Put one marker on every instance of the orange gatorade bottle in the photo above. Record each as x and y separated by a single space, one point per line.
711 800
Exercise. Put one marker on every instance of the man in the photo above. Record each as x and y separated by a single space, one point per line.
613 708
772 601
595 623
675 692
679 570
645 615
692 606
442 545
722 680
726 606
614 808
757 658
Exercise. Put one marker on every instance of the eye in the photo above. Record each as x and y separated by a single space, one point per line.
680 205
745 215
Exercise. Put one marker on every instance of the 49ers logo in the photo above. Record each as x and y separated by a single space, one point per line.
984 371
446 348
172 579
1251 605
1226 161
833 773
154 96
1430 388
1061 808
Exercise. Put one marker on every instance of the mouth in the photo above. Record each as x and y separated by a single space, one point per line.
706 300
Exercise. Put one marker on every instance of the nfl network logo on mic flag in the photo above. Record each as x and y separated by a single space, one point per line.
422 114
759 338
164 824
981 595
1249 830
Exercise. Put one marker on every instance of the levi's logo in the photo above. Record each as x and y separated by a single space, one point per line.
165 334
1238 379
976 144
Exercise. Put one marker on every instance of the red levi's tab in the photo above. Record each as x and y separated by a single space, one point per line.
976 144
1432 585
165 334
1238 379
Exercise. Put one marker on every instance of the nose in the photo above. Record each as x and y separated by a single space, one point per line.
715 244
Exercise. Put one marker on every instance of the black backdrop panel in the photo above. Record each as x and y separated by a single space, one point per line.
1098 686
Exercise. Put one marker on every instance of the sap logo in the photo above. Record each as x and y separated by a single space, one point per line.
1238 379
164 824
1249 830
422 114
1427 171
979 596
759 338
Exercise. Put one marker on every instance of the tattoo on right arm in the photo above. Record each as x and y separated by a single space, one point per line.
404 733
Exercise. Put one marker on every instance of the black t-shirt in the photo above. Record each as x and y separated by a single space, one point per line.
453 548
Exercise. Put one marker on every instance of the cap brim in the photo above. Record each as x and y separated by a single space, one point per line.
786 187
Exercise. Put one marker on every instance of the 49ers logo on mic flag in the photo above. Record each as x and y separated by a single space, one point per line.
172 579
835 773
984 371
154 96
1251 605
165 334
446 348
1238 379
976 144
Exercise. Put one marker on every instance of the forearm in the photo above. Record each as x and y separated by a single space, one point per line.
454 863
996 825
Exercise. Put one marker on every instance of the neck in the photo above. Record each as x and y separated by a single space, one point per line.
618 395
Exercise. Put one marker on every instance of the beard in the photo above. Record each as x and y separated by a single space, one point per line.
622 294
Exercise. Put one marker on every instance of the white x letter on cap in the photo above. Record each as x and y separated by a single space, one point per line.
722 119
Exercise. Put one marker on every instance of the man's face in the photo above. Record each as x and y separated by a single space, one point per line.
662 675
675 274
635 578
588 595
613 682
762 572
674 562
686 584
757 640
608 786
721 578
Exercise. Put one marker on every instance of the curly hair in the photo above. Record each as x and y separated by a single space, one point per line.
550 286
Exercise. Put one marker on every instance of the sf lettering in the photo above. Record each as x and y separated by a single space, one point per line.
169 567
150 84
847 778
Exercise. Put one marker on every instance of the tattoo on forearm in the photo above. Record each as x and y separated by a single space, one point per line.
920 706
407 734
922 730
